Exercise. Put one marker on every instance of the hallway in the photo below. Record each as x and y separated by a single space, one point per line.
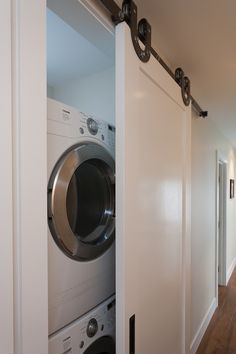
220 337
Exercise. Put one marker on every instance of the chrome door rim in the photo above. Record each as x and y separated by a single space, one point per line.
57 194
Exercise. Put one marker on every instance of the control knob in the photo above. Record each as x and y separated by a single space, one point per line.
92 327
92 126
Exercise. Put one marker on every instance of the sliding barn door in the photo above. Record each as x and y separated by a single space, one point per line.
151 122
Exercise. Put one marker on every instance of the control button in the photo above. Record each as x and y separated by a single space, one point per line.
67 344
92 126
92 328
81 130
65 115
81 344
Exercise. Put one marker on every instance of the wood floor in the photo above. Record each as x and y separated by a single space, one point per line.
220 337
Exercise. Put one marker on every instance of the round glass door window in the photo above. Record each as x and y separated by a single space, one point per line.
81 201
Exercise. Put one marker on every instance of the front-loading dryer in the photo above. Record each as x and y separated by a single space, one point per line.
93 333
81 213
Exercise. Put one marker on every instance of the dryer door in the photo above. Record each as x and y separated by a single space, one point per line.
81 201
103 345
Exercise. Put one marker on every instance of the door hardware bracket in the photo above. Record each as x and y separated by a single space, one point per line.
185 85
140 31
117 14
203 114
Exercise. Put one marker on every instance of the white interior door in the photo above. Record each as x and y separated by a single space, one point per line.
151 167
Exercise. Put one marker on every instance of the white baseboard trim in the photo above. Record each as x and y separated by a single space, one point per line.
230 270
203 326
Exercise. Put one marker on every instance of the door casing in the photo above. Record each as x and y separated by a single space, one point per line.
221 276
6 205
26 20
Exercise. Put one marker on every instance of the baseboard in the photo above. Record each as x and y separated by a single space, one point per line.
230 270
202 328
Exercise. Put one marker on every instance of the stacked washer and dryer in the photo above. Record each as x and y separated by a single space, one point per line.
81 219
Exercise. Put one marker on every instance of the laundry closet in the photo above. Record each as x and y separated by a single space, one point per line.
101 186
81 180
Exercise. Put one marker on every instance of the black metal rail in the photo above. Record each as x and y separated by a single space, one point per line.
142 31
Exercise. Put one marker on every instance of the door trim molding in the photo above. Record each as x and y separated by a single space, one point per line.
30 176
6 202
221 159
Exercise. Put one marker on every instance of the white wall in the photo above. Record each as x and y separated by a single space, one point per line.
93 94
206 140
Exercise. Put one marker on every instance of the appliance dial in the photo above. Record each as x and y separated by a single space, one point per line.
92 126
92 328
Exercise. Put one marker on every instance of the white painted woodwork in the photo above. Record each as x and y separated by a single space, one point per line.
221 209
30 176
6 249
153 173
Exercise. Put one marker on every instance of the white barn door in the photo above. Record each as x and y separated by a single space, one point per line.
151 167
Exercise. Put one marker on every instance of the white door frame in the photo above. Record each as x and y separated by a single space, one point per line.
29 143
6 211
220 159
29 176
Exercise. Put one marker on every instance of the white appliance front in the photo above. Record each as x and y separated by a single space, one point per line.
81 192
92 333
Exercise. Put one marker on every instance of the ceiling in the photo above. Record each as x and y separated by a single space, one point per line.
200 36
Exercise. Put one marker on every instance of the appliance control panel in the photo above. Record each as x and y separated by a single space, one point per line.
98 129
80 334
63 120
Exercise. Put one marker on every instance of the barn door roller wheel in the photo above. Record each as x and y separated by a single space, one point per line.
139 31
184 83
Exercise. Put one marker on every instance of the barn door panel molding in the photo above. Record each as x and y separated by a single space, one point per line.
141 32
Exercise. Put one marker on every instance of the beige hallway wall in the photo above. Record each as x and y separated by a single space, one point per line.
206 140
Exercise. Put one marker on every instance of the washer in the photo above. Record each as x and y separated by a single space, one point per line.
94 333
81 213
